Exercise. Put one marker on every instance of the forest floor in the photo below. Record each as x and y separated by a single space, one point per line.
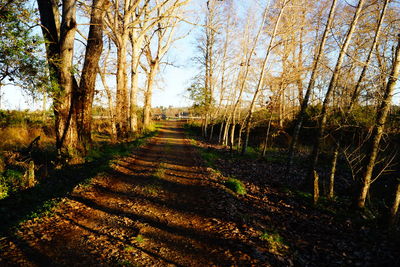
166 205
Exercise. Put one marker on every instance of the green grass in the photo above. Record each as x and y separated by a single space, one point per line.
275 242
192 129
129 248
139 238
236 186
159 173
209 156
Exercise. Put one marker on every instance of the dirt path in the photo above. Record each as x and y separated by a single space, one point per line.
158 207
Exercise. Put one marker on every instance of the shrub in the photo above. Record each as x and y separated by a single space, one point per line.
236 186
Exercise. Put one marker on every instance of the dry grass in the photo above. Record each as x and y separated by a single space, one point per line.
17 137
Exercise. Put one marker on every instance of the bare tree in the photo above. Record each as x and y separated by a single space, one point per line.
71 102
306 99
324 114
156 47
262 75
379 127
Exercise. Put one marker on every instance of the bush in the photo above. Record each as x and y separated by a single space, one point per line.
236 186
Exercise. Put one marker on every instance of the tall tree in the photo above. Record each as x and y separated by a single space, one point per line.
324 111
85 93
71 104
262 74
377 133
302 113
156 46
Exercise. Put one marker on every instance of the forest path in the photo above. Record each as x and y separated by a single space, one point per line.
157 207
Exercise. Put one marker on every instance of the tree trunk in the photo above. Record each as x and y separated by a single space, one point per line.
87 84
266 136
379 127
221 128
136 43
302 113
316 187
395 206
148 95
59 50
333 171
261 78
332 84
356 91
121 113
110 107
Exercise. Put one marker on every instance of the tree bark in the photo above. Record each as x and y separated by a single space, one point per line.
121 113
379 127
148 95
59 52
110 106
301 115
267 135
94 48
261 78
332 84
395 207
356 91
136 43
333 171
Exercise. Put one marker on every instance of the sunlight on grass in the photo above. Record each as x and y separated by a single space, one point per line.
236 186
139 238
275 242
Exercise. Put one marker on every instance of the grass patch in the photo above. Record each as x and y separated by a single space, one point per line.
236 186
139 239
129 248
152 189
209 156
275 242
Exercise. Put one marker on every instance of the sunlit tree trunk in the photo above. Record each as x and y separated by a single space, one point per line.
395 206
59 51
148 95
136 44
261 78
110 101
356 91
324 112
122 89
379 127
355 94
85 94
302 113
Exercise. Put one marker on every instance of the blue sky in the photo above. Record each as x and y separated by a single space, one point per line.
171 81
